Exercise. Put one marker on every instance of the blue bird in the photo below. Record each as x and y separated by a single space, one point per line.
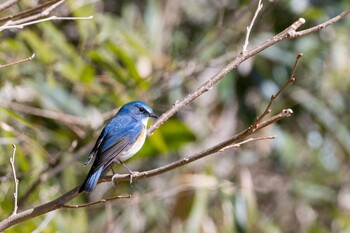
121 138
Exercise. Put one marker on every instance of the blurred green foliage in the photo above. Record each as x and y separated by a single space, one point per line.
158 52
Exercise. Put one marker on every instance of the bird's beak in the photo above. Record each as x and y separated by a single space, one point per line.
153 115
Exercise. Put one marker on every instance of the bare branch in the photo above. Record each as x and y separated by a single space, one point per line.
18 62
6 26
15 194
43 13
249 28
287 84
28 12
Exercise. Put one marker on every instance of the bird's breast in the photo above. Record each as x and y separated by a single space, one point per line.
135 147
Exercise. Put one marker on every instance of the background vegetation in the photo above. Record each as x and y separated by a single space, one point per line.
54 106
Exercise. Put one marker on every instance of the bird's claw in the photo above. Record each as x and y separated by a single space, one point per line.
114 183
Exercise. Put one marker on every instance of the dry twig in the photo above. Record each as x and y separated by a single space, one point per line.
15 194
287 84
249 28
6 26
18 62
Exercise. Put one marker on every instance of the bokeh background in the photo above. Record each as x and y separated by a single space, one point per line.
54 107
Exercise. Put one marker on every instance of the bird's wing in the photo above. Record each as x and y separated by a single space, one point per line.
114 143
96 146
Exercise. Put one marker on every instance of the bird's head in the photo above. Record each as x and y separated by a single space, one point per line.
138 110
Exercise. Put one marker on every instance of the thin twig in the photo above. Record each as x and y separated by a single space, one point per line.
287 84
249 28
44 20
236 145
18 62
321 26
31 18
29 12
96 202
15 194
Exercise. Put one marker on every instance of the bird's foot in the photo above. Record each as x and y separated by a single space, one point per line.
132 174
114 177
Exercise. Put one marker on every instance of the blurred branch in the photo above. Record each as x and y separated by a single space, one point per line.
73 122
18 62
289 32
249 28
29 12
43 20
32 16
7 4
15 194
54 115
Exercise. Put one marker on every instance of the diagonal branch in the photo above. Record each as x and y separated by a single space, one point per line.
289 32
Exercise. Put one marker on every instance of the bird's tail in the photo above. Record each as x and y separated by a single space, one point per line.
91 181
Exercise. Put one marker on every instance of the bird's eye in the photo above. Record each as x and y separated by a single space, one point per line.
142 110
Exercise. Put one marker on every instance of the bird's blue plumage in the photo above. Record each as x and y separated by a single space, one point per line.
119 140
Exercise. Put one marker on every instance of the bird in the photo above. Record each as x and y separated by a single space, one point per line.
121 138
